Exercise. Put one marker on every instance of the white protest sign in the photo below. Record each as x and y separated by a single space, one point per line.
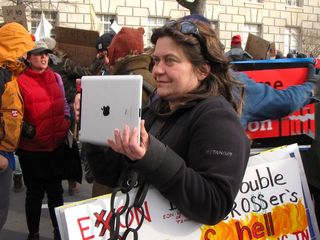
269 205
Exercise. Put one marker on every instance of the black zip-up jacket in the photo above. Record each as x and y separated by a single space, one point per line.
196 158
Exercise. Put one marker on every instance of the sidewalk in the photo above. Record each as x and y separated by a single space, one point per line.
16 227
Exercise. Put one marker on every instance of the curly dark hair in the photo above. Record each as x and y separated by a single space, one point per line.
220 80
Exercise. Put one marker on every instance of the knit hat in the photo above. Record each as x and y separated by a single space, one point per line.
104 41
127 41
236 40
51 43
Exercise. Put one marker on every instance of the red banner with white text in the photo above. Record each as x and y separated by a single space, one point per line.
301 122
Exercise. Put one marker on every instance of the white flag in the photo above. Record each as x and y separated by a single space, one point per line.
44 28
115 26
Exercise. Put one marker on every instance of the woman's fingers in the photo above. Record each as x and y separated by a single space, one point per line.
127 142
144 136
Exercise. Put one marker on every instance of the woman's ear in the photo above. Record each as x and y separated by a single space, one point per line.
203 72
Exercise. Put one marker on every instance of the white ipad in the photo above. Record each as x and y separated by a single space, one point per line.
107 103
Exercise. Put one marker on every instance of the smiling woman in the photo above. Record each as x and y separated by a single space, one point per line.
193 148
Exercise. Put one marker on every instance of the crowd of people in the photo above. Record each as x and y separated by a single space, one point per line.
193 145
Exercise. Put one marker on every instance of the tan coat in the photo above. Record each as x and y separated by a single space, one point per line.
138 65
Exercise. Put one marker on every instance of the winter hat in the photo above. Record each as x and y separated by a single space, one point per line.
127 41
39 47
104 41
236 40
51 43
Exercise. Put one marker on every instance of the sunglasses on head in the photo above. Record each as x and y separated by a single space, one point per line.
190 28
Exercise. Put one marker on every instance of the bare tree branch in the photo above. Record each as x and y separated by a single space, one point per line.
195 6
310 42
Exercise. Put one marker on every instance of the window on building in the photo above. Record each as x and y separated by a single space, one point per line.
292 39
106 21
293 3
51 16
154 22
254 29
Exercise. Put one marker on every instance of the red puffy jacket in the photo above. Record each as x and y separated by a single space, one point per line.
43 109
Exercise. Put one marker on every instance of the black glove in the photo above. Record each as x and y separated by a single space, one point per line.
315 79
28 130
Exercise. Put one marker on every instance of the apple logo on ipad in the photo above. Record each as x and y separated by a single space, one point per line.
105 110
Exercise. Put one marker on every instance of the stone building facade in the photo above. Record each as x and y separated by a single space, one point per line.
291 24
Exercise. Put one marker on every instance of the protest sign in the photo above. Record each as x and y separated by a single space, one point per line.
79 44
257 47
271 204
15 14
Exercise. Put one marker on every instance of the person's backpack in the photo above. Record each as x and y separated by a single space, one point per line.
11 116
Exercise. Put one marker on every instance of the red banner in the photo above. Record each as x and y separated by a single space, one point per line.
298 123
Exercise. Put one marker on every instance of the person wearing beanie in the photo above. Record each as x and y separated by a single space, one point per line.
236 41
126 56
104 41
236 53
128 41
100 65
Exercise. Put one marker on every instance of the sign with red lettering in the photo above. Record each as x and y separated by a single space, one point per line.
270 205
281 76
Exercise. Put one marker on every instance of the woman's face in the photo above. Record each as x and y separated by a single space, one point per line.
174 74
39 62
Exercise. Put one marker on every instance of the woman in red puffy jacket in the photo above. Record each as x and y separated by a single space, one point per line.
44 129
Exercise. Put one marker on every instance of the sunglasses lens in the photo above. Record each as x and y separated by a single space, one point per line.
188 28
